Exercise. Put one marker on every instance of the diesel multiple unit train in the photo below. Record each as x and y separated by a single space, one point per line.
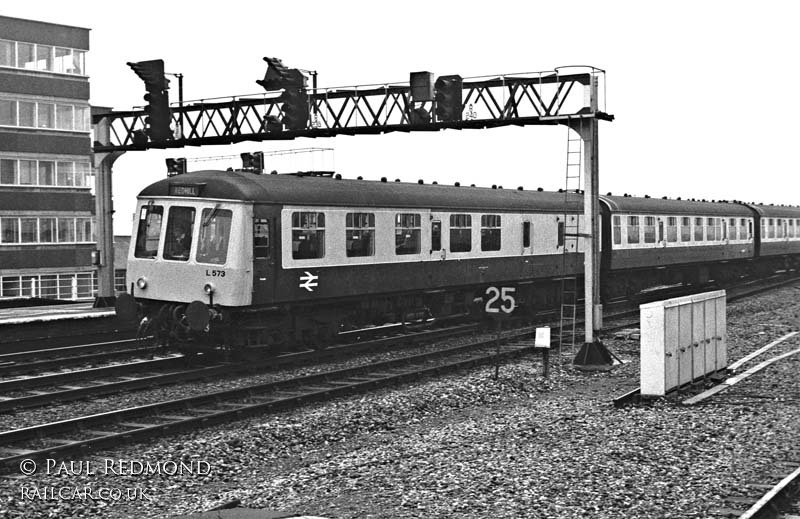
237 259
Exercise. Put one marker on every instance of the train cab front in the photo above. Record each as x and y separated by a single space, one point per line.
188 265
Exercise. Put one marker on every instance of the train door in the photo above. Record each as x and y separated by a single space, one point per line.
263 257
527 236
437 245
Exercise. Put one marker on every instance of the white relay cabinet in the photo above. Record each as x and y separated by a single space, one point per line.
682 340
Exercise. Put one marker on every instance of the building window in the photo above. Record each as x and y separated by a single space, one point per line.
33 114
360 234
7 54
29 230
178 239
9 230
44 57
407 232
8 171
490 232
25 56
460 233
47 230
149 232
308 235
47 173
8 112
633 229
27 114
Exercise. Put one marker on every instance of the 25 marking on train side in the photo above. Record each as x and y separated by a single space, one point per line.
215 273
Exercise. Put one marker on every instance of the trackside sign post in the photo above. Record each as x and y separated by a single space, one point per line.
499 304
542 343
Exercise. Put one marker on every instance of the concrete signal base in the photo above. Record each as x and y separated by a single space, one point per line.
593 356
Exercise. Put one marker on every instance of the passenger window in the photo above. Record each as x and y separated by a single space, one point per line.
436 235
215 230
360 234
561 233
779 228
149 231
649 229
308 235
698 229
526 234
633 229
178 241
460 233
490 232
686 229
732 230
771 228
407 230
672 229
617 229
261 238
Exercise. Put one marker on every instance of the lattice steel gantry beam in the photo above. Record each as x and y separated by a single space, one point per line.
541 98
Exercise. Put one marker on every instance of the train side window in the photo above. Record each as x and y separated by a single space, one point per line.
617 229
149 231
407 231
698 229
672 229
436 235
743 229
308 235
732 230
490 232
779 228
460 233
526 234
649 229
686 228
791 231
261 238
178 240
215 230
633 229
360 234
771 228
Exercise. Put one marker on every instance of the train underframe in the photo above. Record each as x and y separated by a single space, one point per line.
272 329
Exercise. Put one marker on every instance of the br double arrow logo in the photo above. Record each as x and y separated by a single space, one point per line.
309 281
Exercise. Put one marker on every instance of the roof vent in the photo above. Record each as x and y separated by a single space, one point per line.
383 179
663 198
608 194
494 186
472 185
457 184
647 196
338 176
360 178
397 180
420 181
435 183
539 189
560 190
519 188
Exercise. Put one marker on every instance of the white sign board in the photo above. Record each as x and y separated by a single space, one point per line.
542 339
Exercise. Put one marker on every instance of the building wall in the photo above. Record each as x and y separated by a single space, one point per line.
46 205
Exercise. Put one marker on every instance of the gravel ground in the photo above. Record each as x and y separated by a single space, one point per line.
466 445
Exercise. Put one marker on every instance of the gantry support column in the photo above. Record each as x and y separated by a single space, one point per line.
104 210
592 355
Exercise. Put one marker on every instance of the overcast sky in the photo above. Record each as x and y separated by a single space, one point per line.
705 94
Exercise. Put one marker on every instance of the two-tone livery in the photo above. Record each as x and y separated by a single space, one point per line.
235 258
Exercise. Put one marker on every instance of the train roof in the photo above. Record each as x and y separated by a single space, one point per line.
777 211
635 205
327 191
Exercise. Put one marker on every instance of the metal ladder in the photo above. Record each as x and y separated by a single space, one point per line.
568 231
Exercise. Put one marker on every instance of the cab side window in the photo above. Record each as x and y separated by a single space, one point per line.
261 238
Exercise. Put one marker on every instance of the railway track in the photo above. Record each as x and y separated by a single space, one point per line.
93 382
111 428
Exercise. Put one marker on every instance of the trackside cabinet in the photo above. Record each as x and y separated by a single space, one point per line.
682 340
